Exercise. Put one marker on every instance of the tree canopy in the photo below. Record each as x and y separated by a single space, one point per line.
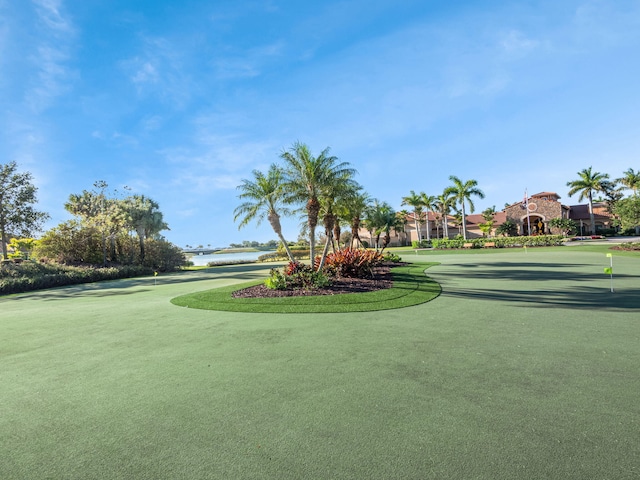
17 199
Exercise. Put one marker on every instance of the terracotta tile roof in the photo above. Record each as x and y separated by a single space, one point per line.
581 212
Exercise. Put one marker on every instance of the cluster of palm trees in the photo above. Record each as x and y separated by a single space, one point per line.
458 193
589 183
323 190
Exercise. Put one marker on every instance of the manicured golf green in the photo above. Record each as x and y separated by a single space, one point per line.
525 366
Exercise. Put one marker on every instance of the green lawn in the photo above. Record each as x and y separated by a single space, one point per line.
526 366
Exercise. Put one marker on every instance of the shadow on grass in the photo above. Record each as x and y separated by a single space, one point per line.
549 285
127 286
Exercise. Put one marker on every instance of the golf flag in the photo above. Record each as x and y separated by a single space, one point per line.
608 270
609 255
155 274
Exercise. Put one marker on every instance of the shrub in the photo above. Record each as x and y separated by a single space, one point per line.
392 257
296 275
353 263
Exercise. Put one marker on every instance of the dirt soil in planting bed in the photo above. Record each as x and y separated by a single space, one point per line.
382 279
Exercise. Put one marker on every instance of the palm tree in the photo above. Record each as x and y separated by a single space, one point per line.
631 180
307 176
443 206
461 193
428 202
381 218
415 200
145 218
588 183
336 191
355 207
262 197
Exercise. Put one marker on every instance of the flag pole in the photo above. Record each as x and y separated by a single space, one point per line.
526 198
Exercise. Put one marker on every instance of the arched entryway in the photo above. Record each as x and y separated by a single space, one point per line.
537 223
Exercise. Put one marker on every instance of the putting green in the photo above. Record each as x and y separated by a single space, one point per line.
524 367
410 287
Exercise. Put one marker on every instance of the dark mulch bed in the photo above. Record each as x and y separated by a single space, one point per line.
382 279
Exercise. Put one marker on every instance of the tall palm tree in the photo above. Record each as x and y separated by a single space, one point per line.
631 180
307 176
415 200
263 197
462 193
336 191
428 202
587 183
443 206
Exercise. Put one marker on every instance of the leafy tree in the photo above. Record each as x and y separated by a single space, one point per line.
306 179
586 185
565 225
263 197
22 247
17 197
415 200
462 193
628 212
96 210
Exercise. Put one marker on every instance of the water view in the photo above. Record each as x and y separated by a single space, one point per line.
201 260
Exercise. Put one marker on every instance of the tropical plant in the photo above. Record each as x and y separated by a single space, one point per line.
381 218
145 218
488 215
630 180
507 229
307 177
443 207
415 200
428 202
588 183
565 225
263 197
462 193
354 208
17 197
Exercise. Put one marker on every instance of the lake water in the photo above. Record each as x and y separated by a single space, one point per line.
201 260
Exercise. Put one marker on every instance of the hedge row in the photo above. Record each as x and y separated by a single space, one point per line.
277 256
500 242
28 276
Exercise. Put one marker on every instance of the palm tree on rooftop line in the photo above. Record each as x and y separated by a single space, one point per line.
263 197
415 200
461 192
630 180
428 202
587 183
305 178
443 205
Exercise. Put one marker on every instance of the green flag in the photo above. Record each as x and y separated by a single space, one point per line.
609 255
608 270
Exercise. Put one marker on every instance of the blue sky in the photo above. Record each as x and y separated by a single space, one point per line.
180 100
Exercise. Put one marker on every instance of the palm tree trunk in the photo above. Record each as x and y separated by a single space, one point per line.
428 227
592 218
464 222
325 251
274 220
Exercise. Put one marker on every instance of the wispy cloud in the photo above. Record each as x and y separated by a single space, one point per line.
158 70
54 76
